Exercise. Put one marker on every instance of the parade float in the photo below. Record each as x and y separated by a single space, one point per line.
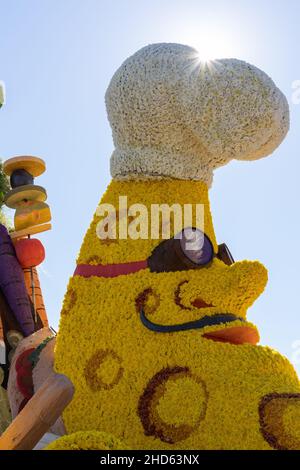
155 349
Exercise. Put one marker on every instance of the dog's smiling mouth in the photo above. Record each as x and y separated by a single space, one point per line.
229 328
240 334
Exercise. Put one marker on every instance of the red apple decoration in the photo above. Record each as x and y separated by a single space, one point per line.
30 252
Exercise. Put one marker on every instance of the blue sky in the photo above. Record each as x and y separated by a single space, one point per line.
57 57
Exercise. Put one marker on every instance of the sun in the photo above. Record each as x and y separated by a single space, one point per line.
211 47
211 44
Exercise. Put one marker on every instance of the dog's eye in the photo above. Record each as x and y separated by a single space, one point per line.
190 249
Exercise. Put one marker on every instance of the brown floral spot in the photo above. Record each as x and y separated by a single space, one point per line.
272 411
109 241
95 259
197 303
148 300
70 301
178 298
103 370
173 404
130 219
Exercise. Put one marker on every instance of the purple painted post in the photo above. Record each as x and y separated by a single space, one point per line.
12 283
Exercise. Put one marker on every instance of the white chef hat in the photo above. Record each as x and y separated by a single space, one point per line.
173 116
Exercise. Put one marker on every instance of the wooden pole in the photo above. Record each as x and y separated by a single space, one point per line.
32 292
40 307
39 414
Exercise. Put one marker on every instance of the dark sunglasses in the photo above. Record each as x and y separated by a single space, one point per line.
190 249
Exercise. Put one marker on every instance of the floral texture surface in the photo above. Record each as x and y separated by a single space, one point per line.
131 381
92 440
174 116
165 357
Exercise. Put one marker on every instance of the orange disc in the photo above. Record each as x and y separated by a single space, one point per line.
34 214
34 165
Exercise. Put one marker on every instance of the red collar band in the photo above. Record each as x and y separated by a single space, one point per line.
109 270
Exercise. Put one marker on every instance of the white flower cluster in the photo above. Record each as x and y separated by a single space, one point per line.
173 116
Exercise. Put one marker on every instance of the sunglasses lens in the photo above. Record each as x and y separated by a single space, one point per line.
196 246
225 255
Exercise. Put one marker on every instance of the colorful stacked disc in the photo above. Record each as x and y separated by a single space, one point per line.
32 213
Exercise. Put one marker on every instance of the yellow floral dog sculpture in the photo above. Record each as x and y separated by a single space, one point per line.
153 335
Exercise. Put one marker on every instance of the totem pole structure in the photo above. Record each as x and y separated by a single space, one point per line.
22 307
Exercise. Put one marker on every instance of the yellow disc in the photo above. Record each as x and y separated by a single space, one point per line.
30 231
34 165
35 213
20 196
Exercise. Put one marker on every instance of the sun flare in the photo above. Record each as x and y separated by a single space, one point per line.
211 45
